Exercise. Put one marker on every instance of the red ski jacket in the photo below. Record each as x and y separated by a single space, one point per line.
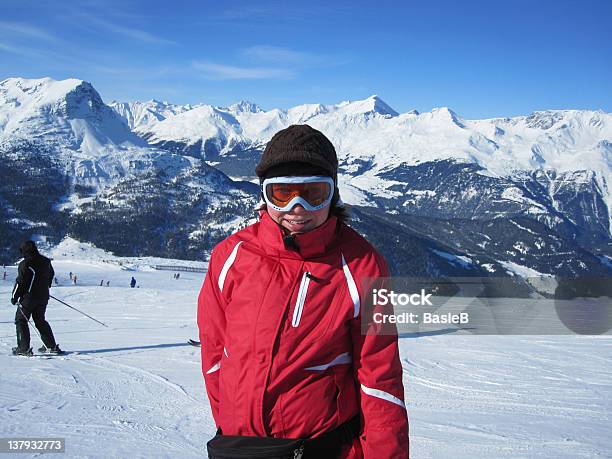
282 350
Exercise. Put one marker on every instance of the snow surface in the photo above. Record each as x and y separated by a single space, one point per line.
136 390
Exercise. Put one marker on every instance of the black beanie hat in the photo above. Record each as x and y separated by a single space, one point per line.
298 150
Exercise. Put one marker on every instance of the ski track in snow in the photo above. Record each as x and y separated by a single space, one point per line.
135 389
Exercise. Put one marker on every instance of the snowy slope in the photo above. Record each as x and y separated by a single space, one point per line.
199 125
142 116
136 389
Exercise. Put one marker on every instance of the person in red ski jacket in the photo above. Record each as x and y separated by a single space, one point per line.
279 314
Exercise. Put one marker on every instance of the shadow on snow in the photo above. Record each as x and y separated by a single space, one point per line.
134 348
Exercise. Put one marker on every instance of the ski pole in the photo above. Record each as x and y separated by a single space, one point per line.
79 311
26 318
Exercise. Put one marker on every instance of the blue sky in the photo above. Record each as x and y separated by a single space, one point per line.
480 58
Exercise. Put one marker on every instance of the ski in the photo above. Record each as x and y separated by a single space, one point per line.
193 342
47 355
62 355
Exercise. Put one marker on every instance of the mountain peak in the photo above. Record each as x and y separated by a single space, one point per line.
71 98
68 112
447 114
544 119
372 105
43 90
380 106
164 104
245 106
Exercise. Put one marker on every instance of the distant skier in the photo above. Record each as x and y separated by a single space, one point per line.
74 278
101 282
4 275
70 275
108 283
178 275
55 280
133 282
35 274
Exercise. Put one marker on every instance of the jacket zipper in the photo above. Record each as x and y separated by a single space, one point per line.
301 298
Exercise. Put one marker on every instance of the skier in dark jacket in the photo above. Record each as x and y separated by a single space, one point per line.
31 291
133 282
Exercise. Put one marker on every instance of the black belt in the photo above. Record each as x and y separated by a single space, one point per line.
326 446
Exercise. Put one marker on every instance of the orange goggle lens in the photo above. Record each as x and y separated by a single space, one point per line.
315 193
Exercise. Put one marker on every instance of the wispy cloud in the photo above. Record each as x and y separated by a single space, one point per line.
293 58
277 54
20 30
249 11
285 11
141 73
216 71
267 62
126 31
45 57
21 50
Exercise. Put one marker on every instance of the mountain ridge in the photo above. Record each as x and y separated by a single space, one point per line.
502 192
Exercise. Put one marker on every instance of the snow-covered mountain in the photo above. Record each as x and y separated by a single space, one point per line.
243 124
371 139
371 130
87 136
69 163
530 191
68 113
142 116
552 167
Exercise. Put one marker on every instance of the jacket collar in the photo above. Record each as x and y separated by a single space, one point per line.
311 244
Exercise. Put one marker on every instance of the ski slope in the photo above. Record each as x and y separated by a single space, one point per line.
135 389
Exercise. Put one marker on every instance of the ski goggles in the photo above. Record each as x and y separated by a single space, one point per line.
283 193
